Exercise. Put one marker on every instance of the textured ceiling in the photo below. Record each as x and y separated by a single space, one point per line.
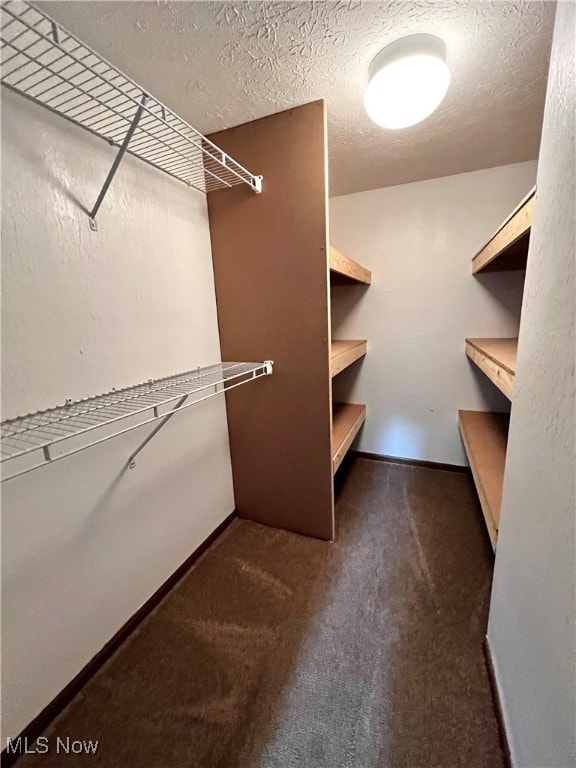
219 64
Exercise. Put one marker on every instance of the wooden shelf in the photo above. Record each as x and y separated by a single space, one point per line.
344 353
347 418
344 269
497 359
485 436
508 247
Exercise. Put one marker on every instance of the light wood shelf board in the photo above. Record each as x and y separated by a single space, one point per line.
342 266
507 248
344 353
496 358
347 418
485 436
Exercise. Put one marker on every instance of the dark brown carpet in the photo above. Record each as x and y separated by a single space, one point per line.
279 651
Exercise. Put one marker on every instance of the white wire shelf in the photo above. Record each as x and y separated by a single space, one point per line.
29 442
48 65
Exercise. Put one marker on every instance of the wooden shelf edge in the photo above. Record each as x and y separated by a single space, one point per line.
344 353
510 240
347 418
343 266
485 436
496 358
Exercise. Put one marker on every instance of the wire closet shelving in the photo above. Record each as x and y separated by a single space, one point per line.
48 65
31 441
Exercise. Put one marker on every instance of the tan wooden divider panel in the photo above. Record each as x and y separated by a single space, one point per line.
270 256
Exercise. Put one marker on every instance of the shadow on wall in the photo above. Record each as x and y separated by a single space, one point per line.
505 289
45 163
493 399
401 438
343 384
345 299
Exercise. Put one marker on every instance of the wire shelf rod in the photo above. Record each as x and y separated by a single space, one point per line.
208 187
126 95
49 459
43 430
157 389
121 116
48 65
80 61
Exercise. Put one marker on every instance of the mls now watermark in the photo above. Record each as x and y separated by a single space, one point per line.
42 745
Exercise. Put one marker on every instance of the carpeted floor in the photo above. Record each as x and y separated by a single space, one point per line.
279 651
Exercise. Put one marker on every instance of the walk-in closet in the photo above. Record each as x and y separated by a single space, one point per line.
288 460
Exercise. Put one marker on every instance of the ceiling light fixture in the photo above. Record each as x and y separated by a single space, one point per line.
407 81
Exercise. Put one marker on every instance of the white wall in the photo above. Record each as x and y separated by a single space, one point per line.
418 240
86 541
532 618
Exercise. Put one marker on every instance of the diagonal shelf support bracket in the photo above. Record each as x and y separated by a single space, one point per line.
116 163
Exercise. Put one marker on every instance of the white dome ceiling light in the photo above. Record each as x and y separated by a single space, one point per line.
407 81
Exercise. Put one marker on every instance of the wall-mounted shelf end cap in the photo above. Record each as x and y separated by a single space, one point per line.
257 187
268 364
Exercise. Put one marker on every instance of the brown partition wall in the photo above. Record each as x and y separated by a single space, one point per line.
270 256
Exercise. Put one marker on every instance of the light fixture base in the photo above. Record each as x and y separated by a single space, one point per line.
408 80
